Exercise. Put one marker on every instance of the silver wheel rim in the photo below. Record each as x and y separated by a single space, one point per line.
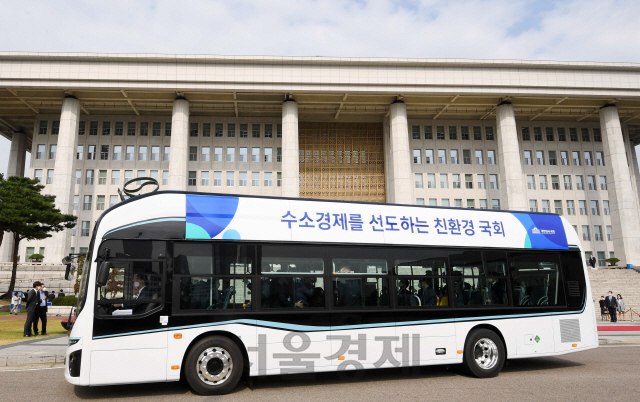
214 366
485 352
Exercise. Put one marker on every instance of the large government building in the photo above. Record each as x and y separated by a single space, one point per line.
504 134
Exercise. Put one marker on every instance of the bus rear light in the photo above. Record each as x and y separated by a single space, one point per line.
175 367
177 336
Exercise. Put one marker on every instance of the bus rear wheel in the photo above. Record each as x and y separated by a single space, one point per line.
214 366
484 354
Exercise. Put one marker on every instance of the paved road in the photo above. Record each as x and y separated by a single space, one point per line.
575 377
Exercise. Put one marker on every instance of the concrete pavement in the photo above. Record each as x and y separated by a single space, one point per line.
38 352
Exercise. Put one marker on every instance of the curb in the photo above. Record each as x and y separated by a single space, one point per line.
17 362
610 342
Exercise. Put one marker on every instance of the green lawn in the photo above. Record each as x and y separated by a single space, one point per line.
11 330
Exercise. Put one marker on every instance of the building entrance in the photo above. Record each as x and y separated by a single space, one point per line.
342 161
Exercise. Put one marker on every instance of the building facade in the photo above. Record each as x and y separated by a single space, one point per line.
530 136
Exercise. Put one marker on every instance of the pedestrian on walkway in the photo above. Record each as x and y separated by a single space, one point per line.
611 304
602 311
41 310
592 262
621 312
32 302
16 303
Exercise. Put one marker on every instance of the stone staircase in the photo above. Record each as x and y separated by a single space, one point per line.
51 274
623 281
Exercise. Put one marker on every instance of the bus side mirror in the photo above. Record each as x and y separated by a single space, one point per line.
103 273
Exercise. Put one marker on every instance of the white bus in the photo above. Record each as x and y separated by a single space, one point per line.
211 287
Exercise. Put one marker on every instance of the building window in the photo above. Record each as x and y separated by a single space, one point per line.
609 233
579 183
255 154
464 133
268 154
93 128
91 152
255 179
597 136
527 158
156 128
545 206
455 180
587 158
495 204
493 181
167 154
457 202
115 177
268 179
466 156
594 208
37 175
417 157
40 150
582 205
454 156
255 131
165 177
540 157
525 134
440 132
104 152
217 179
542 179
102 177
444 180
279 179
453 133
603 182
242 180
231 154
141 173
597 233
206 151
113 200
531 182
479 160
87 203
242 155
585 233
477 133
433 202
444 202
49 176
418 180
599 158
415 132
428 156
128 175
142 153
482 204
419 201
84 231
591 182
89 177
553 161
244 131
471 204
468 181
431 180
81 128
119 131
573 134
153 174
278 154
442 156
117 152
106 128
231 130
217 154
100 203
193 129
129 155
131 129
491 157
585 134
78 176
564 158
278 130
192 178
533 205
268 131
76 201
567 182
558 206
206 129
570 207
193 154
489 135
167 129
549 132
537 133
605 207
53 149
428 132
144 129
562 136
555 182
481 182
204 178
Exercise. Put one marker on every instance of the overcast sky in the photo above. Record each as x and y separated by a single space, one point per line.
585 30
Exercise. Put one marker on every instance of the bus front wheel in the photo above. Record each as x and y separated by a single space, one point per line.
214 366
484 353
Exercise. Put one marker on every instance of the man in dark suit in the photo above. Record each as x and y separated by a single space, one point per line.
611 304
429 297
32 302
41 310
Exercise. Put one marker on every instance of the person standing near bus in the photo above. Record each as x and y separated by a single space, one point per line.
32 302
611 304
41 310
15 300
621 311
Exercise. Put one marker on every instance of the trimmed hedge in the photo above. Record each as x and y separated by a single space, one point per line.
65 301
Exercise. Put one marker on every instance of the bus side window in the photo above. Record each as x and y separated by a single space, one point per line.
535 279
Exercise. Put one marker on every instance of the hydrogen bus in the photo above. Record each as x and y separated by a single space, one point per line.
214 287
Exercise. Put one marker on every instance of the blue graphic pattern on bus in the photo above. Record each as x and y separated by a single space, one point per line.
543 231
208 216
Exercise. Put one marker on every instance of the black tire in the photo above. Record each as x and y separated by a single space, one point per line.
214 366
487 347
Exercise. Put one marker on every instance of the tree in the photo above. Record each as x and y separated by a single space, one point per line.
612 261
28 214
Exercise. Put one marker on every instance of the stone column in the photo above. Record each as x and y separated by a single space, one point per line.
401 180
622 198
388 159
17 156
179 145
57 246
290 150
511 177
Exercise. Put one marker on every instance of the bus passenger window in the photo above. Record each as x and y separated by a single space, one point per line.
535 279
360 292
208 293
132 288
292 292
422 292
